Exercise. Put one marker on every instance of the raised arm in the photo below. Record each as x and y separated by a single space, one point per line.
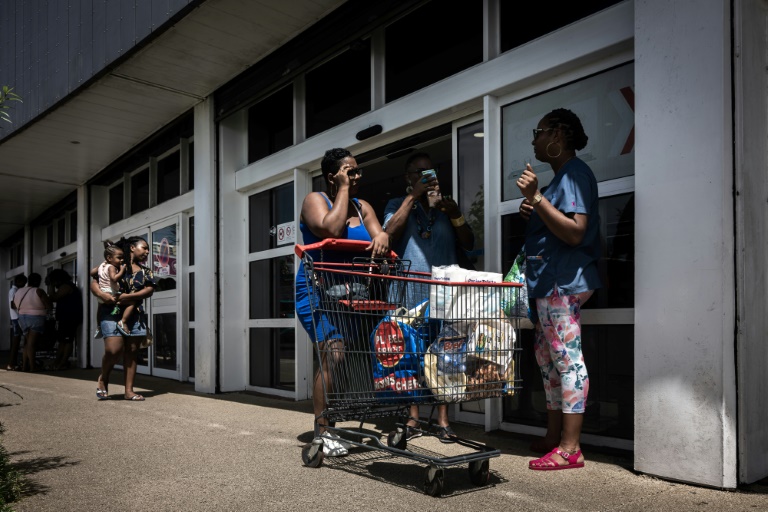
379 238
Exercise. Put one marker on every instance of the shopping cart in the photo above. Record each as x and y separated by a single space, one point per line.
406 339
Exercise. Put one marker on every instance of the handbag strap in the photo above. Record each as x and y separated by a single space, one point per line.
18 307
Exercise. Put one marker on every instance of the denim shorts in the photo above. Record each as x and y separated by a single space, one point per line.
35 323
137 324
15 328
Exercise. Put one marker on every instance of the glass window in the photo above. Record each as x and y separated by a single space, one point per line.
140 191
326 106
471 194
191 240
605 106
609 355
617 263
191 167
116 203
191 353
72 226
49 238
61 232
270 124
164 254
271 288
421 51
164 347
266 211
272 357
191 296
515 17
169 177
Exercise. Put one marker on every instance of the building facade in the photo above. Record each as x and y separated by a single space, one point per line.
200 125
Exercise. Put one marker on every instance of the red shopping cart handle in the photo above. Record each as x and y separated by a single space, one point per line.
337 244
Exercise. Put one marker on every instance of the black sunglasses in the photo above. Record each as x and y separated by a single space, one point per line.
537 131
357 171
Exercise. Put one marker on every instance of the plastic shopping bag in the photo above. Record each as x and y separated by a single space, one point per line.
515 300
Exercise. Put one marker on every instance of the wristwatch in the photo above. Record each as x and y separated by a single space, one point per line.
536 199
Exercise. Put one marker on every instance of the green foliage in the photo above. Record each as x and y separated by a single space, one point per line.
7 95
11 481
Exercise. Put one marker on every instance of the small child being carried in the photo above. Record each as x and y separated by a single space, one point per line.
110 274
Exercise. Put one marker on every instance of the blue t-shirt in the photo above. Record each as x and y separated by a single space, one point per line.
550 261
438 249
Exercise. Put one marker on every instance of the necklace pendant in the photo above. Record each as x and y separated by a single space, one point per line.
425 235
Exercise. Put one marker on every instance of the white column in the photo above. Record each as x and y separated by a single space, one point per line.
685 407
233 252
93 256
206 289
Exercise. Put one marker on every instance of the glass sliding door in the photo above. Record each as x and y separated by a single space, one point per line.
271 309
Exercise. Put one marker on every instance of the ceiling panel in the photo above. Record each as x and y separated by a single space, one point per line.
39 166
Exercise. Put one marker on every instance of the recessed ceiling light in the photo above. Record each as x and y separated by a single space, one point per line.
479 135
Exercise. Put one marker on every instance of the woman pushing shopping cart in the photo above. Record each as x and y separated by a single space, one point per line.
455 346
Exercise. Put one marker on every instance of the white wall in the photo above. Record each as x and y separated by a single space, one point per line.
685 409
751 130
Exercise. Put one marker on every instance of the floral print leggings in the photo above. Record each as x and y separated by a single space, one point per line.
558 351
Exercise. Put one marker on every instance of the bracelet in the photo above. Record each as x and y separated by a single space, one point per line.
457 223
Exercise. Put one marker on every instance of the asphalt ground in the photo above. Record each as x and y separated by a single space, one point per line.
180 450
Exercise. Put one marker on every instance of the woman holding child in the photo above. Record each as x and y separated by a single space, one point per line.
138 283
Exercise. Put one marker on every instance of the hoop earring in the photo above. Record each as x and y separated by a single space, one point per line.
558 153
408 189
334 186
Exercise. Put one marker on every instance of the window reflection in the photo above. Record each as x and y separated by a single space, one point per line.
164 346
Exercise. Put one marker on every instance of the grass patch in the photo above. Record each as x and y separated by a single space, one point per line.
11 481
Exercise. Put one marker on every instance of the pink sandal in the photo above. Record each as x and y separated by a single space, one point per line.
547 464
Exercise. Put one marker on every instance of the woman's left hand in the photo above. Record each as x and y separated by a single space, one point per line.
449 207
528 183
379 245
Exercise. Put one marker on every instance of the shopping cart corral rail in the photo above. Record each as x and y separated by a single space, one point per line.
395 338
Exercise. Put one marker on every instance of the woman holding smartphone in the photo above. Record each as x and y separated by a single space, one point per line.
427 229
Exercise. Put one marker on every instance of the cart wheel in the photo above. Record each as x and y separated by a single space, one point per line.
312 454
478 472
433 485
396 439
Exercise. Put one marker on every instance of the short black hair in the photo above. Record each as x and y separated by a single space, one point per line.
416 156
34 280
332 161
20 281
570 125
59 276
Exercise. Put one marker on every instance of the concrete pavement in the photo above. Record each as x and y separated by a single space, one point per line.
185 451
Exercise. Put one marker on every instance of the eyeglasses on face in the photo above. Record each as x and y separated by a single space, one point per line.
356 172
537 131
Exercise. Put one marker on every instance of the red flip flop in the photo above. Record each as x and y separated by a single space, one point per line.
547 464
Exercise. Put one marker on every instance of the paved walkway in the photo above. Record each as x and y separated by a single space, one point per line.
184 451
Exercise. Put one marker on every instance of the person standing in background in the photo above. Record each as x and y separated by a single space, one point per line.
33 306
20 281
69 314
427 229
562 246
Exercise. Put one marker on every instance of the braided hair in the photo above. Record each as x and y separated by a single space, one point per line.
111 248
570 126
126 243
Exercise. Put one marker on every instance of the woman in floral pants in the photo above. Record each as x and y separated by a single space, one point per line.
562 246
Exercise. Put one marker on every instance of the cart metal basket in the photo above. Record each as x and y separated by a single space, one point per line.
395 338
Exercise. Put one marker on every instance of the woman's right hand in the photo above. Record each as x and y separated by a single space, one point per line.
423 185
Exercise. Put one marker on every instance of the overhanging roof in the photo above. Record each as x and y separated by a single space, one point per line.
68 145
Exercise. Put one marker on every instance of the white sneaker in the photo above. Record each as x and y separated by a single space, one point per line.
333 446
